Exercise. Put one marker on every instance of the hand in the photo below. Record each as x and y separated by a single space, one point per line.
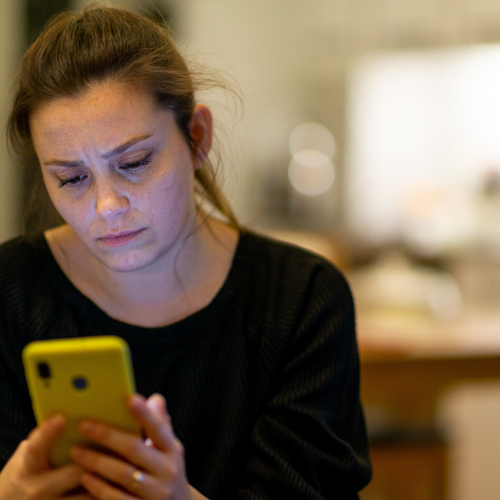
150 469
29 475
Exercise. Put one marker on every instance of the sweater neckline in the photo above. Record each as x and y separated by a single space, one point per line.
71 294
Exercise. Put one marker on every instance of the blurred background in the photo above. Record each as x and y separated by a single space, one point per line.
369 133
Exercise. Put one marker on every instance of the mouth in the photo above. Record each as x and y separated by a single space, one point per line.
119 239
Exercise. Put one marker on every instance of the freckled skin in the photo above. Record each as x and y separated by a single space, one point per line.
121 174
154 201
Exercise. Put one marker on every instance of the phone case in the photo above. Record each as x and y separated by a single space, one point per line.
86 377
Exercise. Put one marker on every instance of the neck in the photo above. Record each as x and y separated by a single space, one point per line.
183 281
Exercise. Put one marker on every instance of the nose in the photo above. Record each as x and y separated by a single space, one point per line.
110 202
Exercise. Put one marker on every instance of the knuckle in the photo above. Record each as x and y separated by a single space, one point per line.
166 491
26 447
178 447
134 447
74 473
96 489
173 470
34 492
102 433
25 453
20 478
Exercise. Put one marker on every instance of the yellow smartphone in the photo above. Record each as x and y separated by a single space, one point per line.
86 377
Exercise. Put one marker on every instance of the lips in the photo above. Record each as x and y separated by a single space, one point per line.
119 239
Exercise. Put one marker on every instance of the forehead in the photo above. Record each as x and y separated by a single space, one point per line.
99 100
104 113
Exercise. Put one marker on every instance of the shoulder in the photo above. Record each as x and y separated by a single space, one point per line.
18 257
24 282
287 293
24 298
287 266
253 244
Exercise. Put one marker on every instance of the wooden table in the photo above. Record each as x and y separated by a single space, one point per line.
401 387
408 388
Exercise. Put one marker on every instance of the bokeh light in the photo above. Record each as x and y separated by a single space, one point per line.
312 135
311 171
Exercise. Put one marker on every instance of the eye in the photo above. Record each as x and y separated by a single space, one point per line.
136 164
72 181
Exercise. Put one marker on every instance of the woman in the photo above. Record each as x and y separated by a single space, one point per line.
250 341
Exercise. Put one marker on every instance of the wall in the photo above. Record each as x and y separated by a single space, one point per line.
11 39
292 60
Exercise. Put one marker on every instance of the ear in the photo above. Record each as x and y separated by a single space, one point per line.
200 128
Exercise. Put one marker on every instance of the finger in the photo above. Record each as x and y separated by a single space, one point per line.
155 464
51 483
156 402
105 472
40 441
134 481
110 469
80 496
123 444
155 421
61 480
99 488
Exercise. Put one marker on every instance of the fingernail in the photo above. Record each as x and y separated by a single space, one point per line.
160 400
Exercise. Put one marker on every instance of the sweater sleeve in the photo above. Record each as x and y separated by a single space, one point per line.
309 441
17 320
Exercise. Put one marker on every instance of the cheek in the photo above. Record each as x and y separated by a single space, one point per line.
75 212
75 215
173 195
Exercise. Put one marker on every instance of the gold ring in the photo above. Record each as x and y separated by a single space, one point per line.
137 479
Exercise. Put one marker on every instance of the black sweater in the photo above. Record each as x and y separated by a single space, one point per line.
262 384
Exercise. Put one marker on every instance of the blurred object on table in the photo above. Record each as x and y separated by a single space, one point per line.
394 284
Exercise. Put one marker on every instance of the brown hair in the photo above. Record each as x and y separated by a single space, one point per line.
77 50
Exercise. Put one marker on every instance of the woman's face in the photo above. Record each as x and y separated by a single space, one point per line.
119 172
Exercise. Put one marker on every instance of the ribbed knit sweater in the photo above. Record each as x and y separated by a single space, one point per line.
262 384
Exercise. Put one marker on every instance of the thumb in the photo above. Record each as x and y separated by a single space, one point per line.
40 442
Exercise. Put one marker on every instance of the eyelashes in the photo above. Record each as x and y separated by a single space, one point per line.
132 167
137 164
72 181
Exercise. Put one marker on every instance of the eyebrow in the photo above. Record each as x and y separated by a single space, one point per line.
118 150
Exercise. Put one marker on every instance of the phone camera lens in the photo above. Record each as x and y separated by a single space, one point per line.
80 383
43 370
